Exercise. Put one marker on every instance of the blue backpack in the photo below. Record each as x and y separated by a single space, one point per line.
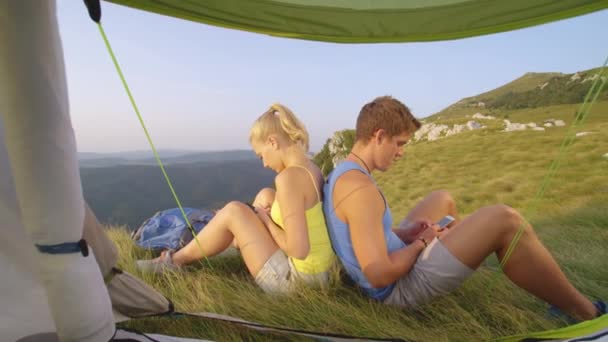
167 229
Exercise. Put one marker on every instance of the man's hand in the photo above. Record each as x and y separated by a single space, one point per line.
429 234
410 231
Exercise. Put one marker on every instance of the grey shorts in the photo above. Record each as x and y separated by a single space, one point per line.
436 272
279 276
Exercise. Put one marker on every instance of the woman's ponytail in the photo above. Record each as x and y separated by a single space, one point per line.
292 126
280 120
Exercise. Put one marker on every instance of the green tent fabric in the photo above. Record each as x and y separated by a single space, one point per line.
594 330
367 21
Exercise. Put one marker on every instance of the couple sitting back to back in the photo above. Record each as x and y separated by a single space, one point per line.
286 239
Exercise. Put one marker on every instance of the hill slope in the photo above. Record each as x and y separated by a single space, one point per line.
532 90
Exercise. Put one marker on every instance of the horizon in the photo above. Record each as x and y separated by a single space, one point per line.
212 73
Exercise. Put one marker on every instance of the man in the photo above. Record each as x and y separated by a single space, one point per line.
411 265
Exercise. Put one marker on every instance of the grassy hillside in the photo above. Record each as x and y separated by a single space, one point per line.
479 168
507 166
532 90
527 82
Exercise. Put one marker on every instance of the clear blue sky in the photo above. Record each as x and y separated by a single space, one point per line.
200 87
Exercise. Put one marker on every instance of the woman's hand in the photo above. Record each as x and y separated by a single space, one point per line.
265 209
263 215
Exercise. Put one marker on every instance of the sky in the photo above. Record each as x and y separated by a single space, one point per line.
200 87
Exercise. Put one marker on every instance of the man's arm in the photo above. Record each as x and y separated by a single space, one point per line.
361 206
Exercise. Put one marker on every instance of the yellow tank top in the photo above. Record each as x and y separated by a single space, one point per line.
321 255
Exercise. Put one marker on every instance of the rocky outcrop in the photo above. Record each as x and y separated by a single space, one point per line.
433 131
553 122
575 77
514 126
340 145
483 117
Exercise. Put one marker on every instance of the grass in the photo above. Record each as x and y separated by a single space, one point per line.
479 168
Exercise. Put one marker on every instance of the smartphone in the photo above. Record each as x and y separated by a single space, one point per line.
445 221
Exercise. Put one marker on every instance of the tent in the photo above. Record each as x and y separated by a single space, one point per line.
52 285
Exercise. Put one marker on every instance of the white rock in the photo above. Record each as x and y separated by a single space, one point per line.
553 122
337 148
514 126
582 134
575 77
422 132
481 116
531 124
544 85
538 128
435 133
472 125
591 78
455 130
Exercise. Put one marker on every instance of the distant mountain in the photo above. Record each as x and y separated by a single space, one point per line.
133 155
128 194
532 90
168 157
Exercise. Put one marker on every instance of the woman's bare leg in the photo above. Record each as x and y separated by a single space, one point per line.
235 221
263 200
530 265
434 207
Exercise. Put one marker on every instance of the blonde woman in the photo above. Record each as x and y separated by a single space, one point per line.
281 244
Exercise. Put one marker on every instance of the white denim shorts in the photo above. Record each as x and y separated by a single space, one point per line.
279 276
436 272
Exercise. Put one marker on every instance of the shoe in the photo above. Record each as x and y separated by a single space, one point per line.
602 307
554 312
159 265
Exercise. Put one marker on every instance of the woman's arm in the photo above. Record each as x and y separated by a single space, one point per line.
276 232
293 238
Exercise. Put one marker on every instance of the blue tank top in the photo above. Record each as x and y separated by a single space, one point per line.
339 233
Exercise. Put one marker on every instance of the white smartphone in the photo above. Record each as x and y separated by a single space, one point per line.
445 221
